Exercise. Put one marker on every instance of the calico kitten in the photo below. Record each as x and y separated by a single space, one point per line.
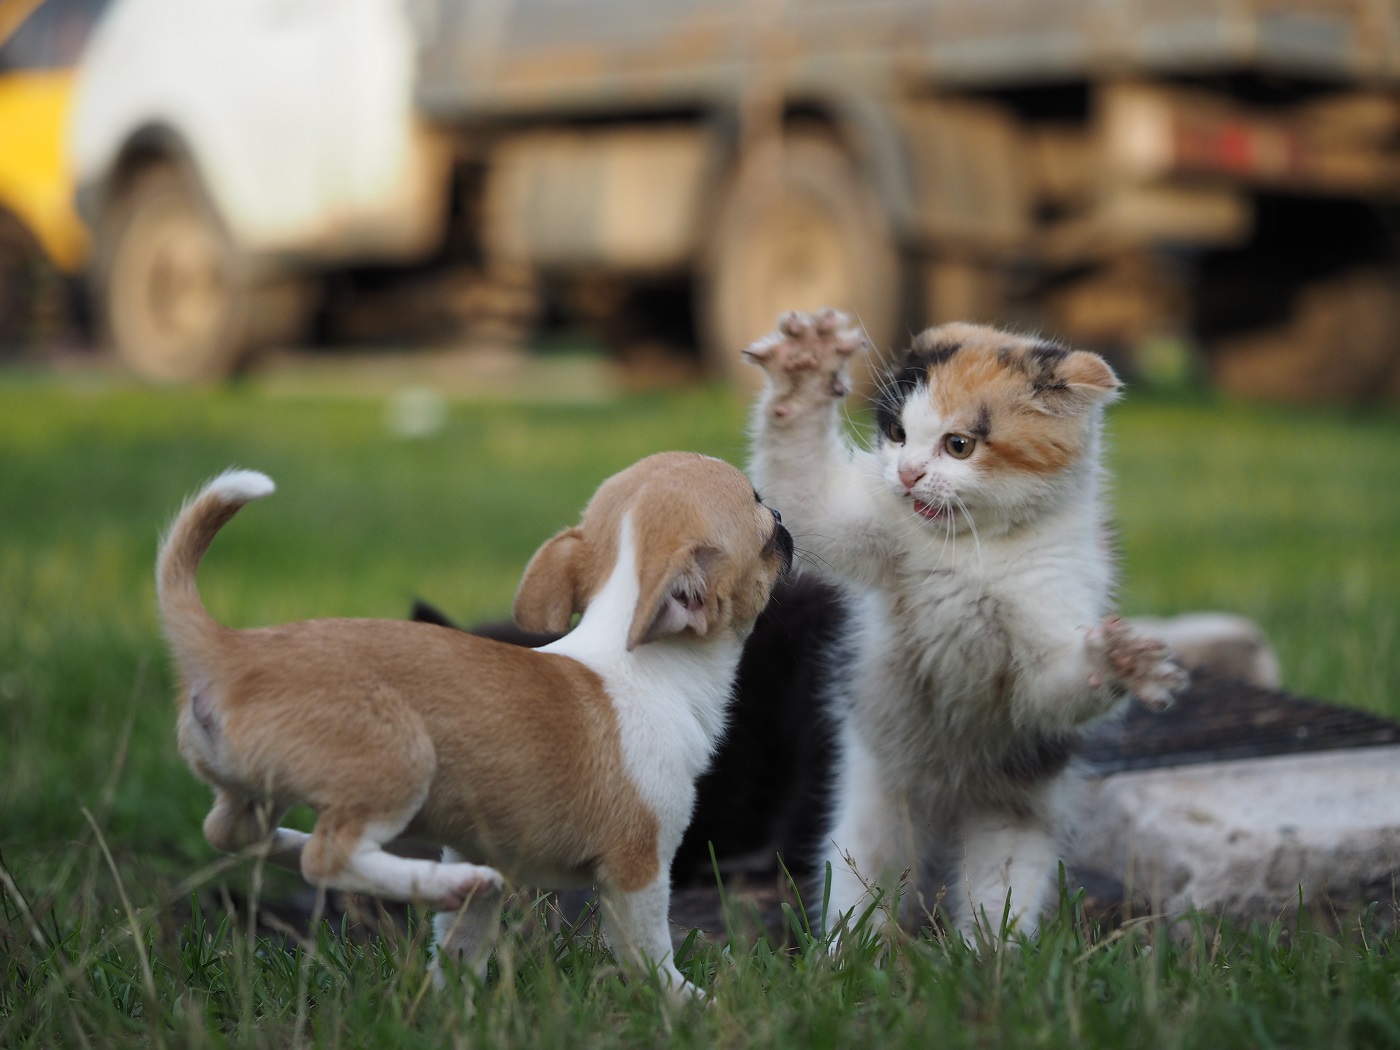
971 541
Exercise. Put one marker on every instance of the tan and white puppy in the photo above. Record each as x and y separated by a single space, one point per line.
572 765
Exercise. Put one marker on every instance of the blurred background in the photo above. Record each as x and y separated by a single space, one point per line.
1194 187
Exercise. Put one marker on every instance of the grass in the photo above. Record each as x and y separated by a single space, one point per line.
1290 517
201 983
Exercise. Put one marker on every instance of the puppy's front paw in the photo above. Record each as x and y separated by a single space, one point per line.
806 358
456 884
1141 665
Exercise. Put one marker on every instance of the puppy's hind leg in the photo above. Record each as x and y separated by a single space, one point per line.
637 926
348 853
357 814
236 822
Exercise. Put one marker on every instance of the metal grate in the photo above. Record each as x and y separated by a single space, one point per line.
1218 719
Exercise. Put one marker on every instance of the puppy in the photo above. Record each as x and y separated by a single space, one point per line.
766 795
574 765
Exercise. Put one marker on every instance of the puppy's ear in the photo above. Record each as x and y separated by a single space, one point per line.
548 595
675 596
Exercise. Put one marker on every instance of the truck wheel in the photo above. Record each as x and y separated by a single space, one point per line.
796 229
175 297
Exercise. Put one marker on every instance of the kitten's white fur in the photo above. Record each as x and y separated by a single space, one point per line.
971 645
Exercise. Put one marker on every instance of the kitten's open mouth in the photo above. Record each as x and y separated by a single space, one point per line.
931 511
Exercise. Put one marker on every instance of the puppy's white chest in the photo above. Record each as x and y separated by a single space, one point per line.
670 696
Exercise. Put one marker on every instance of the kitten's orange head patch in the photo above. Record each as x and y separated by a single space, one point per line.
1028 404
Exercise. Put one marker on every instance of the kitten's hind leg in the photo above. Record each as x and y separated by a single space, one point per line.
468 934
872 849
1003 855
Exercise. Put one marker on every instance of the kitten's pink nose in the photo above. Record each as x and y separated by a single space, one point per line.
909 475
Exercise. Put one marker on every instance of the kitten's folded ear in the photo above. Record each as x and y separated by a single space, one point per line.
1091 371
1080 379
548 595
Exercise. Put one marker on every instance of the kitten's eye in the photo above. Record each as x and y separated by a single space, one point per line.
896 433
959 446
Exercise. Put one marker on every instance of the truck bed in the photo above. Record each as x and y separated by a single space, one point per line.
518 57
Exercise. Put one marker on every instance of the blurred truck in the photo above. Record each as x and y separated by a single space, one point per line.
1106 170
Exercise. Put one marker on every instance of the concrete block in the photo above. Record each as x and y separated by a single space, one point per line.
1240 837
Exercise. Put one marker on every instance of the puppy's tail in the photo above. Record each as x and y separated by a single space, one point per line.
188 626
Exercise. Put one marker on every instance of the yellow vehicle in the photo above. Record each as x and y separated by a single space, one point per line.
43 243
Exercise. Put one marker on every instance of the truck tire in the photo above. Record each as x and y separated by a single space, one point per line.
178 303
795 229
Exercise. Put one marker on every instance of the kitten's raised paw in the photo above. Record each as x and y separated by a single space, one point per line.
806 358
1141 665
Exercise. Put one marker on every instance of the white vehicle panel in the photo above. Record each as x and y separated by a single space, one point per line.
298 115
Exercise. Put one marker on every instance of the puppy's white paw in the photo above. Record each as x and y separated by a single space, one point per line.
1141 665
456 884
806 358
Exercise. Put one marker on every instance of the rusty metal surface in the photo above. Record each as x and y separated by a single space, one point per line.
1220 719
492 57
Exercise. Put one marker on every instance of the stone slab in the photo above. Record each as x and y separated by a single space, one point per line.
1240 837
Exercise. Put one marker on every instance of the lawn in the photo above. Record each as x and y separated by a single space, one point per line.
113 927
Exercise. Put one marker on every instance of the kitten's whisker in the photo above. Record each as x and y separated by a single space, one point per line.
810 556
863 438
917 523
815 560
891 388
976 541
950 530
884 382
854 315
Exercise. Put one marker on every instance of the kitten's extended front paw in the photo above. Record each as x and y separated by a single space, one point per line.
1141 665
806 358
